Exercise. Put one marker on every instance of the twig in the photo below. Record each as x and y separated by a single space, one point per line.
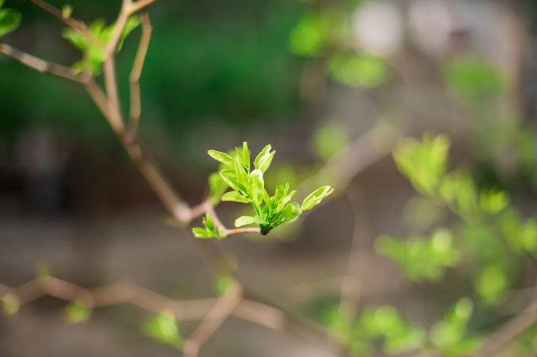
69 21
41 65
127 293
136 106
140 5
215 318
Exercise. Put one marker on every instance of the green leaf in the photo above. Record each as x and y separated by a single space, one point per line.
221 157
423 162
201 233
67 11
164 328
291 212
246 220
257 184
10 19
264 159
234 196
316 197
492 284
217 187
244 156
230 178
210 230
77 313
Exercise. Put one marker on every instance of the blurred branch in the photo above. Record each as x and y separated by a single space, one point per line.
69 21
351 287
494 343
136 105
215 318
41 65
127 293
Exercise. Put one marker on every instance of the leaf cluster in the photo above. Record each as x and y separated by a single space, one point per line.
247 185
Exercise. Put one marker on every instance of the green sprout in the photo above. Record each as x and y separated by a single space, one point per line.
248 186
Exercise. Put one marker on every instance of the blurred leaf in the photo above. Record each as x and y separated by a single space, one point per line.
330 139
10 304
77 312
492 284
164 328
472 78
421 259
492 202
423 162
359 70
309 36
522 237
385 321
449 335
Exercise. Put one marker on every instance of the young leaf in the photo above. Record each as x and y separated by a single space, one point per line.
291 212
257 185
246 220
10 19
234 196
244 156
264 159
201 233
230 178
316 197
221 157
217 187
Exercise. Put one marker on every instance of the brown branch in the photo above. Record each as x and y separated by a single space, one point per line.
127 293
215 318
41 65
140 5
69 21
136 106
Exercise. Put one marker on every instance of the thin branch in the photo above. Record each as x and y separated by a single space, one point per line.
41 65
215 318
69 21
140 5
136 106
127 293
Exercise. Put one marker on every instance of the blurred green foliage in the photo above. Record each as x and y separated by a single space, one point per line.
472 78
165 329
450 334
10 19
420 258
77 312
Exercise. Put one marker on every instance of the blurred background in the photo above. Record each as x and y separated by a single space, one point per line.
315 79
